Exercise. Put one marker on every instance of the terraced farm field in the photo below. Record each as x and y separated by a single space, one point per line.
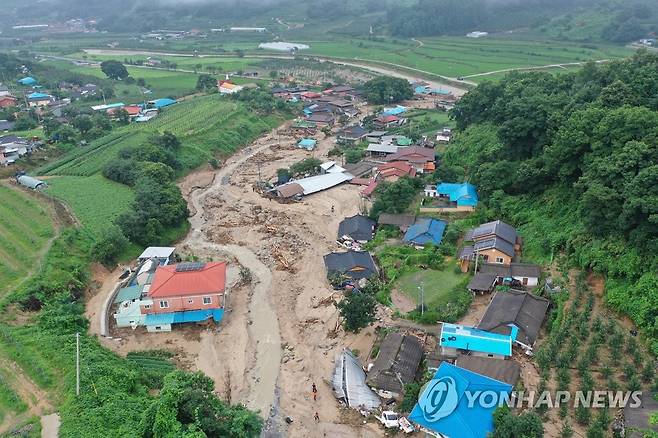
25 228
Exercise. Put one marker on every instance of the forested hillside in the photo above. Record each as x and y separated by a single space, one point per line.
587 20
573 160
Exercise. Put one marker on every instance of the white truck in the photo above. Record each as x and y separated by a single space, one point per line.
392 420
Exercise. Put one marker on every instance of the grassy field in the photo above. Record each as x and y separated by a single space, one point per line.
95 200
438 285
25 228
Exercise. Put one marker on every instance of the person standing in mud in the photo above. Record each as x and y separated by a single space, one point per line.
314 389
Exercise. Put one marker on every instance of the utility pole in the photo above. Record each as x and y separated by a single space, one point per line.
476 262
421 289
77 364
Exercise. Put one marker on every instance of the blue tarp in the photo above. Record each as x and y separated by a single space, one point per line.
425 230
464 194
472 339
187 316
443 406
27 81
161 103
421 90
394 111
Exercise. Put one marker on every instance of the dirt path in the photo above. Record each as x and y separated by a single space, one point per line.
50 426
28 391
540 67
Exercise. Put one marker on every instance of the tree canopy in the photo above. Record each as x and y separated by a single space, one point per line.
114 69
580 149
387 90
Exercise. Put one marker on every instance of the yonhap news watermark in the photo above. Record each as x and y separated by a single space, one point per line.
441 397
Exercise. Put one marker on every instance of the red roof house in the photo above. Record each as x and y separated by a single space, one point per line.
6 101
421 158
187 286
395 170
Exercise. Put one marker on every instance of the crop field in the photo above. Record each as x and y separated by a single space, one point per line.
86 161
25 228
95 200
454 56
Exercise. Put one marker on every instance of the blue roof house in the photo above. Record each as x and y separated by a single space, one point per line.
458 403
27 81
425 231
307 143
458 338
463 195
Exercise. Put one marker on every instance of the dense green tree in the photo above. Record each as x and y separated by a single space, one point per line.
187 406
357 310
395 197
206 83
387 90
109 246
114 70
507 425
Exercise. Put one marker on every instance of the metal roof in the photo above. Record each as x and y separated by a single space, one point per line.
30 182
349 384
129 293
426 230
472 339
160 252
382 148
318 183
450 384
482 282
181 317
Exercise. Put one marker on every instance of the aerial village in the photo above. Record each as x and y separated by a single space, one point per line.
28 95
288 219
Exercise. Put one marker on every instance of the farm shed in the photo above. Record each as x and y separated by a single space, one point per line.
515 309
527 274
31 183
482 282
507 371
465 421
353 264
357 227
331 167
396 364
349 383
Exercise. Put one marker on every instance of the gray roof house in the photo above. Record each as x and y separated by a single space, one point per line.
396 364
353 264
403 221
521 309
349 383
507 371
358 227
